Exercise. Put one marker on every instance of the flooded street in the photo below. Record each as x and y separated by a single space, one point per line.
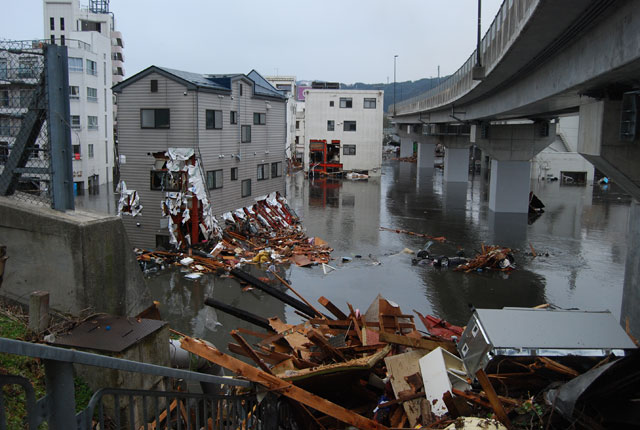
580 241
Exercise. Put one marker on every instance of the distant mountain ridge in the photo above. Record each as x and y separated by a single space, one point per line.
404 90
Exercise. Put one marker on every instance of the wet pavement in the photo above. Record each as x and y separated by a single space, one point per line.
580 239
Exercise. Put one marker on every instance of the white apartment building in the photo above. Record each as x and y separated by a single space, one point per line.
287 85
95 65
343 130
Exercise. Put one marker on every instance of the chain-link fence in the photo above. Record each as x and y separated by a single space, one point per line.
25 156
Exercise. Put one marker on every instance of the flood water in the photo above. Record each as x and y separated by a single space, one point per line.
580 241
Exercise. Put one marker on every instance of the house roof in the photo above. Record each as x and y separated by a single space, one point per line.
221 82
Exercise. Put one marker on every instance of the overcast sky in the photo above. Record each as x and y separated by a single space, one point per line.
334 40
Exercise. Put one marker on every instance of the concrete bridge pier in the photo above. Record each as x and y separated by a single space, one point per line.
511 147
427 152
406 147
456 158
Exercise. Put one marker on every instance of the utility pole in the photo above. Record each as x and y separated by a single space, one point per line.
394 84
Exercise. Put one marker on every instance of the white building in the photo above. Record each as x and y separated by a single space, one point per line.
95 64
343 130
561 160
287 84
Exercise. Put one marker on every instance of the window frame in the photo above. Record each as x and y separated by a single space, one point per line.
163 174
348 149
92 125
75 68
153 85
344 126
370 100
244 138
259 118
234 173
92 98
277 172
233 117
93 70
210 117
73 124
212 179
331 125
262 171
155 119
346 102
242 188
74 95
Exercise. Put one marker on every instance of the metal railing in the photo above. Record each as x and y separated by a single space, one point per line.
113 408
506 25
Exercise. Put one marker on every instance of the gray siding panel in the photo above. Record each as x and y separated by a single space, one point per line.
219 149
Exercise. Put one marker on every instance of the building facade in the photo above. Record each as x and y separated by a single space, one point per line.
235 125
343 130
95 65
287 85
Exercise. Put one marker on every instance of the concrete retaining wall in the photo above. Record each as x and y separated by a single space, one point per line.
83 259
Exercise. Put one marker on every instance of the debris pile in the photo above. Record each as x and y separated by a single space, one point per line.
267 232
492 258
376 370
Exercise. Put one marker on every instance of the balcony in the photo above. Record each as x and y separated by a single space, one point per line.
118 71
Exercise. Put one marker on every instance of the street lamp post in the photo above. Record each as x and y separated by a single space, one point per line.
394 84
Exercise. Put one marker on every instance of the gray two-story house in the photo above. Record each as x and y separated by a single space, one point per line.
234 123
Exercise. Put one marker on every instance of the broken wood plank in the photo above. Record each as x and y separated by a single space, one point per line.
276 384
332 308
269 358
319 340
250 352
496 404
475 398
425 344
399 366
402 399
253 333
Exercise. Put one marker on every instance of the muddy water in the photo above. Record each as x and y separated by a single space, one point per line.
580 241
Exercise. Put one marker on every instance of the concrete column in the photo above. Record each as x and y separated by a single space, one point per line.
406 147
509 186
456 164
630 308
426 154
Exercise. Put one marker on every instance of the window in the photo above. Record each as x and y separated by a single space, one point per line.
92 122
234 173
62 42
233 117
276 169
53 39
61 24
263 172
92 94
75 64
259 118
25 98
154 118
213 119
348 150
92 67
74 92
346 102
76 152
3 68
27 67
331 103
349 126
154 85
245 134
297 125
164 180
214 179
246 188
52 23
90 151
75 121
370 103
5 127
4 98
240 89
331 125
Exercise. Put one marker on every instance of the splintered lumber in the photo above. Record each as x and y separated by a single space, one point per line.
274 383
283 297
400 366
425 344
319 340
496 404
239 313
403 398
332 308
250 352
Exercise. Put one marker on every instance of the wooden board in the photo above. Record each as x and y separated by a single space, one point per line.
398 367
